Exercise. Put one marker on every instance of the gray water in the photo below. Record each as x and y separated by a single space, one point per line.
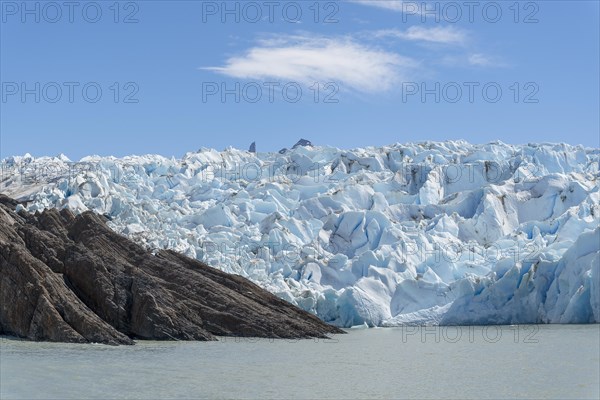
552 361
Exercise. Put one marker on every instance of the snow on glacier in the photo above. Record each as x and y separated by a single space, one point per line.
422 233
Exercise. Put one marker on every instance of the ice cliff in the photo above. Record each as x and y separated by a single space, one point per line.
420 233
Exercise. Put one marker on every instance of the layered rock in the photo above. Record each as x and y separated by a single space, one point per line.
70 278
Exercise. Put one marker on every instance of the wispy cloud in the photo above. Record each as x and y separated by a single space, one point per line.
438 34
394 5
473 60
483 60
308 59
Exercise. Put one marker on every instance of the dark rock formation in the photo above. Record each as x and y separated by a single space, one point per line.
303 143
71 279
299 143
252 148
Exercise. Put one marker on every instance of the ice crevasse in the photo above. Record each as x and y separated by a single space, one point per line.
418 233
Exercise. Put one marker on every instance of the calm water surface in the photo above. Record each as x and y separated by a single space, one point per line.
553 361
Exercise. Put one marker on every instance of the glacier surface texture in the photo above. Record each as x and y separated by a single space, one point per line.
423 233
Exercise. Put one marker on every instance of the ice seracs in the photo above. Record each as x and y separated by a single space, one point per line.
418 233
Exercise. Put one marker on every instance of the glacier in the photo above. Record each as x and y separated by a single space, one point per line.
417 233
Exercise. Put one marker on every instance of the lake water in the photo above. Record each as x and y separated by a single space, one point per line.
549 361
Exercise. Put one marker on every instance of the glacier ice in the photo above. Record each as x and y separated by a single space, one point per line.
419 233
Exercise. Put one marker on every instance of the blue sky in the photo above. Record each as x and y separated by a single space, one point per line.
179 75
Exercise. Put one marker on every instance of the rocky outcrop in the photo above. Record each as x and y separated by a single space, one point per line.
299 143
71 279
303 143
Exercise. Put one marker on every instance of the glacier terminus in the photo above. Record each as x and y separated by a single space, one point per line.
427 233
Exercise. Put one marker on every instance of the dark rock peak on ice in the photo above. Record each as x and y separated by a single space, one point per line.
303 143
252 148
71 279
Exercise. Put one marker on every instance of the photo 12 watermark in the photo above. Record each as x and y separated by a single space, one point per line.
69 92
287 170
470 92
70 12
271 338
270 12
403 173
492 12
270 92
491 334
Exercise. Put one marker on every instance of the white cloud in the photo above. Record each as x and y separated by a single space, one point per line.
473 59
394 5
307 60
438 34
481 60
